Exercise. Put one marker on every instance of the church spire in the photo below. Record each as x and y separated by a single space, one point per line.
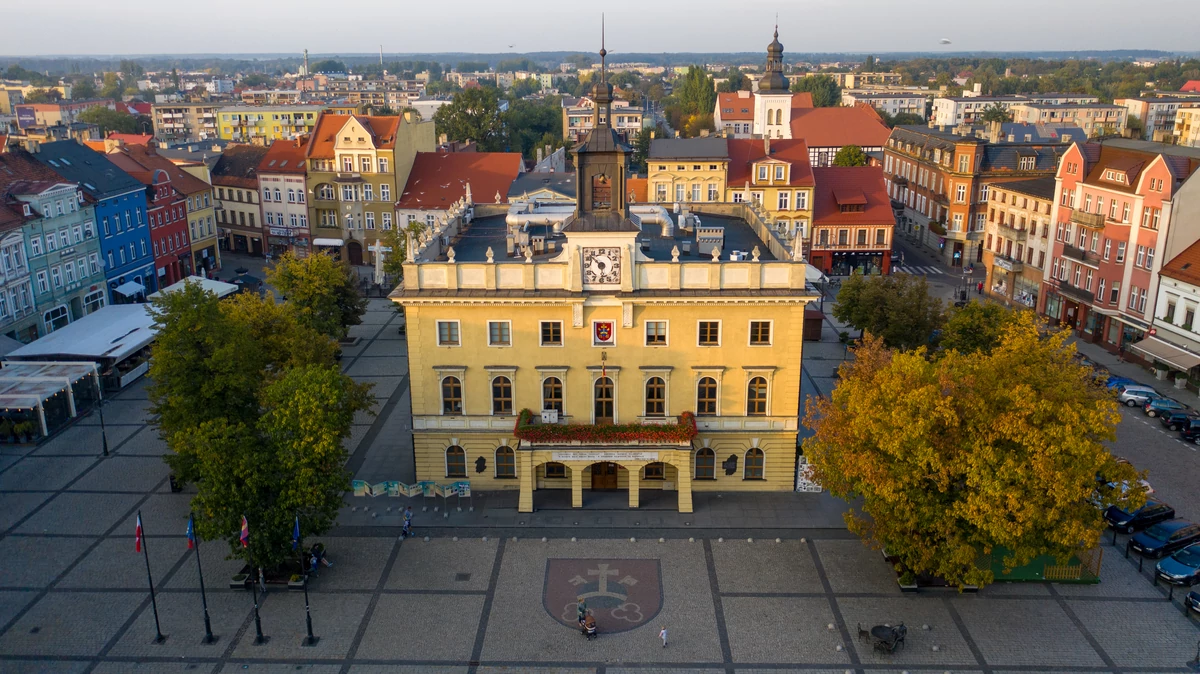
773 79
602 92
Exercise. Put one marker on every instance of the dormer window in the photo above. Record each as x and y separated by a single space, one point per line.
762 173
26 210
779 171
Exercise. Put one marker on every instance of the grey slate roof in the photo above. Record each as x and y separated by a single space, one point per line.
562 183
689 148
1149 146
1042 188
99 177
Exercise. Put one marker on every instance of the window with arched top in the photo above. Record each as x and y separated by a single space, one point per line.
603 397
706 464
656 397
502 396
552 394
754 464
756 397
456 461
452 396
706 397
506 462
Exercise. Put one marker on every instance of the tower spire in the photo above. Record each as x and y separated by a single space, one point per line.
603 51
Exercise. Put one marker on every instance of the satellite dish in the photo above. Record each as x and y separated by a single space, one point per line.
945 40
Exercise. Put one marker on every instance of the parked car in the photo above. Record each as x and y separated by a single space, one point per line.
1114 382
1193 601
1191 431
1181 568
1156 406
1136 394
1164 538
1151 513
1178 419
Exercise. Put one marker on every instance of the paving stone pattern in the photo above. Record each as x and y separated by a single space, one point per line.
73 596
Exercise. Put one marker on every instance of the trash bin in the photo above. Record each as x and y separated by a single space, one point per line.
175 486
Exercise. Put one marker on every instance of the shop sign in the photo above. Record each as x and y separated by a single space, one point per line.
603 455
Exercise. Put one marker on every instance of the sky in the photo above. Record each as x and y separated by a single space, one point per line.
111 27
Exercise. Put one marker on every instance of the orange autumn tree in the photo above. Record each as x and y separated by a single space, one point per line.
956 455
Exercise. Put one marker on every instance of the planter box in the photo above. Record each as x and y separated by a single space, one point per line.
1181 383
239 582
1160 375
906 588
296 584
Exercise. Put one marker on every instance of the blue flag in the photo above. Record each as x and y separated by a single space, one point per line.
191 532
296 534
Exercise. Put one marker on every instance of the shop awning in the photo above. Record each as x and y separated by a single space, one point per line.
1166 352
130 288
328 242
814 275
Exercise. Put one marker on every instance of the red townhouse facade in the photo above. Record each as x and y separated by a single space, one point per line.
1117 220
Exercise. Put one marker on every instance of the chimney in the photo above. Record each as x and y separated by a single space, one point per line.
932 123
767 145
112 144
994 132
539 155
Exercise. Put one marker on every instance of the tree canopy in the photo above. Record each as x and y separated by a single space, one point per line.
955 457
109 120
533 124
824 89
474 114
976 327
84 88
320 291
996 113
327 66
896 308
850 155
43 96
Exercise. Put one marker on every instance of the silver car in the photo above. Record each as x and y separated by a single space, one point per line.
1135 395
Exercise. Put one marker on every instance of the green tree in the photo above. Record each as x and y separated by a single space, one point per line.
901 119
320 291
824 89
735 80
976 327
84 88
109 120
525 87
896 308
695 92
211 357
112 86
996 113
327 66
1134 123
850 155
474 114
471 66
641 150
534 124
968 454
287 463
43 96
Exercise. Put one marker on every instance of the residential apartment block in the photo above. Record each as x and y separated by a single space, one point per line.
356 167
893 103
942 177
235 182
1017 239
185 122
272 96
261 125
578 113
1096 119
1121 208
1157 115
1187 126
860 80
954 110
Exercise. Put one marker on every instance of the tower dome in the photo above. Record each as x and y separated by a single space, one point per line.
773 79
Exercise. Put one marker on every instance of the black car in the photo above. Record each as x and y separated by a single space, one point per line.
1164 538
1151 513
1190 432
1193 601
1178 419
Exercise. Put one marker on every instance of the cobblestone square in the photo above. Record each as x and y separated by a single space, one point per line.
70 623
1034 632
422 627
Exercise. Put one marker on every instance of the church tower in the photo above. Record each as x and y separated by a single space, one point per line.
773 100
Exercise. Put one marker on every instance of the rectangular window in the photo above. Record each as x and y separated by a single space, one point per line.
779 173
1107 248
760 333
499 333
56 276
448 333
1120 251
784 200
712 192
1141 256
387 219
370 220
367 193
762 173
709 333
385 192
656 333
960 193
802 201
1100 290
366 164
43 286
383 165
1149 258
551 333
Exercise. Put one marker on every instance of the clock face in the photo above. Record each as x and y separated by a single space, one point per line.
602 265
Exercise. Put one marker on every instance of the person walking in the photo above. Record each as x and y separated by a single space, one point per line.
662 634
979 287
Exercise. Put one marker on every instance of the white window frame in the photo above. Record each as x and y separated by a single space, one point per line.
720 332
562 337
666 333
770 332
497 344
458 331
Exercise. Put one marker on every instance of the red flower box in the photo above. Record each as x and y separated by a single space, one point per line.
620 434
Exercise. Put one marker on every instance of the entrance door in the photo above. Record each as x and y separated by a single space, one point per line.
604 476
354 251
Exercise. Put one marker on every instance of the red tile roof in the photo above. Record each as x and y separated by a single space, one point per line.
97 145
801 101
838 127
285 156
736 108
383 131
851 185
132 138
142 158
1191 85
1185 266
743 152
438 179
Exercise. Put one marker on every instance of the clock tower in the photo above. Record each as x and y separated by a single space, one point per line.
602 229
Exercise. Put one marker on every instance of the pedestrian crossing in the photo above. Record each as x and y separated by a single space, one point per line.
927 270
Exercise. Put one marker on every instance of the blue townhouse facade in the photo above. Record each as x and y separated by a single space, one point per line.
122 224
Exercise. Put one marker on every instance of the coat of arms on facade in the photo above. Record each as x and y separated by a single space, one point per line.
621 594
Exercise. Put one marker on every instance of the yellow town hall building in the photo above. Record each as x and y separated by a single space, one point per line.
608 348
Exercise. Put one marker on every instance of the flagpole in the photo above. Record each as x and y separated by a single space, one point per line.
158 635
208 635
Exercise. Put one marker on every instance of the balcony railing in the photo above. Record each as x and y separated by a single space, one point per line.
1010 232
673 431
1080 254
1094 220
1067 290
1009 263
